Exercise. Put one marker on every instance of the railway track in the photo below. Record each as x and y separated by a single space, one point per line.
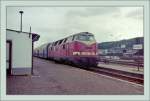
129 63
140 63
131 77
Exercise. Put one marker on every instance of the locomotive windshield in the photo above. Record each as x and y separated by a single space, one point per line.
86 37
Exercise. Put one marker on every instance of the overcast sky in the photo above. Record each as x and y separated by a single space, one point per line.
53 23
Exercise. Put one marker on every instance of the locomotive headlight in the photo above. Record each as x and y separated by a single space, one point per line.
96 53
84 53
87 53
92 53
76 53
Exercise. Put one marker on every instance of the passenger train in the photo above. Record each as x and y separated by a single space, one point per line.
79 49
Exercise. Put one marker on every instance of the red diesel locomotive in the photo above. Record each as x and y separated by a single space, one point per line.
79 49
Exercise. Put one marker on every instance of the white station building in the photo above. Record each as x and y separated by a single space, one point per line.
19 52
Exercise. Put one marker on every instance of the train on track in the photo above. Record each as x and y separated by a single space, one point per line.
79 49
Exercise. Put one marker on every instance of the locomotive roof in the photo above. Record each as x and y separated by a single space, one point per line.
75 35
78 34
81 33
47 44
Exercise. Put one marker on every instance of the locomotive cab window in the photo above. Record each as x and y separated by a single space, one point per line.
86 38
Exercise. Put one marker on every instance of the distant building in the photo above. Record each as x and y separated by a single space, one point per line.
19 48
130 47
102 51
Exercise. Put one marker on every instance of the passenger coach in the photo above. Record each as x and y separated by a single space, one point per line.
79 49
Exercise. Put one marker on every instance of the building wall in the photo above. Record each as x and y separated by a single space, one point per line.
21 51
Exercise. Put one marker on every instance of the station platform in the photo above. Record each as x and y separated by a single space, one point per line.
51 78
126 68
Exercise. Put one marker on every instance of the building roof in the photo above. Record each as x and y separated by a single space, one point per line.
35 36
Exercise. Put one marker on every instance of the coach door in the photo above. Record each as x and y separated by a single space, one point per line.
9 56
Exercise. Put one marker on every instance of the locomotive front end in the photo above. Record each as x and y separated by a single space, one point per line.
85 49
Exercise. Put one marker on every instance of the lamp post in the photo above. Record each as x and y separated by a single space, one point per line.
21 12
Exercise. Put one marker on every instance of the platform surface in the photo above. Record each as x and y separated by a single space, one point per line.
58 79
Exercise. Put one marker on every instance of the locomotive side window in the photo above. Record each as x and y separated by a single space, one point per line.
64 46
73 38
56 43
53 44
69 39
60 42
65 40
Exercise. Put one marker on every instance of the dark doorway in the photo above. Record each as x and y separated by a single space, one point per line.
9 56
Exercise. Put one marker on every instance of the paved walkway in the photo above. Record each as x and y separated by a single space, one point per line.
58 79
132 69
